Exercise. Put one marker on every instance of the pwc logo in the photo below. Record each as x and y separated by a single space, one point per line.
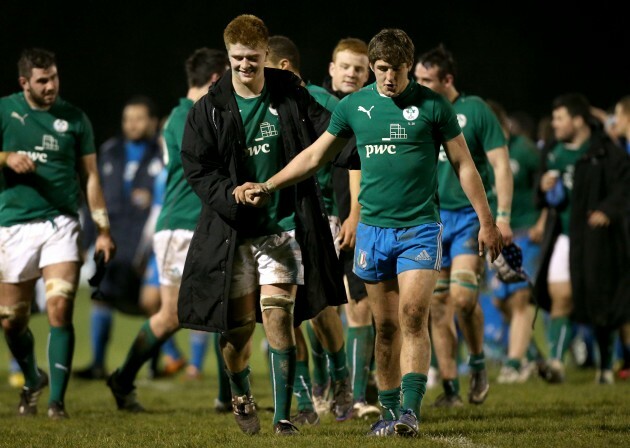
379 149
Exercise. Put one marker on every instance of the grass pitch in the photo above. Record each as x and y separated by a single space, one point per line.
576 414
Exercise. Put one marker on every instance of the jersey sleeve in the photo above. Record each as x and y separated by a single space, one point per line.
86 139
339 126
446 119
492 136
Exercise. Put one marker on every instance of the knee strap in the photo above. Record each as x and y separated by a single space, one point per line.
278 301
58 287
441 287
15 312
466 279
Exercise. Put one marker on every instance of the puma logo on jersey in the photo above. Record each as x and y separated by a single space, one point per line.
367 111
379 149
17 116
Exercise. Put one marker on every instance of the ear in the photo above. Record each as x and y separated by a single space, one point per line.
449 80
284 64
23 82
331 68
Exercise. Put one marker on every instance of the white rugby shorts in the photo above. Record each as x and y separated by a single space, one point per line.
26 248
171 247
266 260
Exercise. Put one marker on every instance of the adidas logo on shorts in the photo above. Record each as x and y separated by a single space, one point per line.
423 256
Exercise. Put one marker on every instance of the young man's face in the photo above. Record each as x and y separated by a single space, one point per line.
390 80
247 63
429 77
349 71
564 125
42 87
136 122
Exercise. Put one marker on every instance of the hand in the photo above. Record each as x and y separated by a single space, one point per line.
548 180
506 231
251 193
598 219
20 163
104 243
348 234
490 240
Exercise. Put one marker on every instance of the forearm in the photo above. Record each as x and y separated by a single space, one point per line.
505 190
96 203
473 187
355 187
304 165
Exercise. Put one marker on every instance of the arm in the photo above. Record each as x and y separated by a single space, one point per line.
205 171
463 164
348 233
304 165
504 181
91 186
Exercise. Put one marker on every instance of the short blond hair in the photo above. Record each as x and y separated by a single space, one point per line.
350 44
247 30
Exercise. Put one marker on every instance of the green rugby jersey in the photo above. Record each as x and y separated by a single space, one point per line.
563 159
324 175
181 206
524 161
55 140
483 133
264 157
398 140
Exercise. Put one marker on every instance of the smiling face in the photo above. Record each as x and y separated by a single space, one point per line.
247 64
391 80
42 87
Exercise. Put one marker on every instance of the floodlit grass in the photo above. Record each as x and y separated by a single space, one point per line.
576 414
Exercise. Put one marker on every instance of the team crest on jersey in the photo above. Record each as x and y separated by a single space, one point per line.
362 259
516 167
462 120
60 125
411 113
273 111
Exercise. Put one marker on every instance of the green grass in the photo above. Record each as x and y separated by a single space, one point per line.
576 414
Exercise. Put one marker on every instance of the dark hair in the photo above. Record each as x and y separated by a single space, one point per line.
576 104
35 58
441 58
203 63
281 47
393 46
142 100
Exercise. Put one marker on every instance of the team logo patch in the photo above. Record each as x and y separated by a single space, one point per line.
462 120
273 111
362 259
411 113
60 125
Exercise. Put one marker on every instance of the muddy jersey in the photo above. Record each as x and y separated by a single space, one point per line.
264 157
398 140
563 159
324 175
55 140
524 161
181 206
483 133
